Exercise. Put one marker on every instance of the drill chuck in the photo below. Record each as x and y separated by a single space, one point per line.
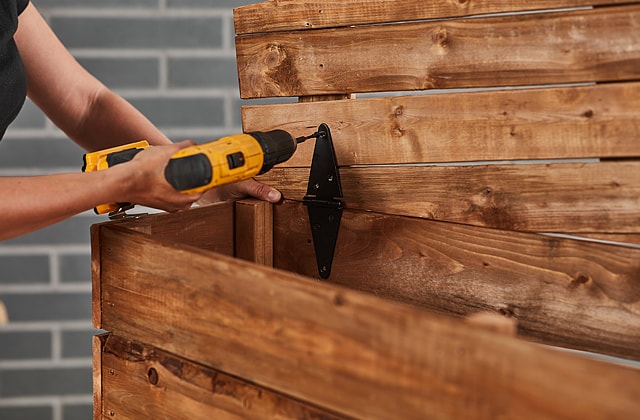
277 145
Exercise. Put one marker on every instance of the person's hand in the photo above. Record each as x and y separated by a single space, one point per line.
242 189
148 185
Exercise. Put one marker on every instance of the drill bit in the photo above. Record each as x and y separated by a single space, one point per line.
304 138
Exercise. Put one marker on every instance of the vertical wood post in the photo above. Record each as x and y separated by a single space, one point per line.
254 231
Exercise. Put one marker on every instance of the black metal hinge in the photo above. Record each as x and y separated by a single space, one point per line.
323 200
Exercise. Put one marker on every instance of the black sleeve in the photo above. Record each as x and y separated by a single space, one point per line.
22 4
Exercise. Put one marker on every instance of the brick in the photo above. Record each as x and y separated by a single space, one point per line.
24 269
167 112
75 268
74 231
39 382
203 72
30 117
134 32
122 73
226 4
98 4
77 412
40 153
17 345
48 306
27 413
77 343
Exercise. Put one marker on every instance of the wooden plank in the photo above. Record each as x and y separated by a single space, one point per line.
144 382
204 227
350 352
285 15
96 278
569 47
562 292
559 197
201 227
550 123
254 231
97 344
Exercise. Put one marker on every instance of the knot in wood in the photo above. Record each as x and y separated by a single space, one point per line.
440 38
274 56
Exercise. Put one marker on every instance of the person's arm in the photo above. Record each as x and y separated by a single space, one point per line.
81 106
95 118
89 113
31 203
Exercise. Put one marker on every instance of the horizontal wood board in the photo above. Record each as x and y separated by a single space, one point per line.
597 121
558 197
531 49
350 352
561 291
144 382
189 228
285 15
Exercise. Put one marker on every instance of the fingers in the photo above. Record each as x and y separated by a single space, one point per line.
184 144
259 190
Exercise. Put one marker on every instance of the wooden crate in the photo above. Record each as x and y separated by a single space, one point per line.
490 223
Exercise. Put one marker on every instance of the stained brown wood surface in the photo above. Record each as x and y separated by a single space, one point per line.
558 197
562 292
254 231
350 352
97 343
569 122
529 49
144 382
284 15
193 227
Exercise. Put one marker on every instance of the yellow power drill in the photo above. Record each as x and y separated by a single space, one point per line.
201 167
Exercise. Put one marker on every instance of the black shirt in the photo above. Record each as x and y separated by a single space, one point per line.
13 80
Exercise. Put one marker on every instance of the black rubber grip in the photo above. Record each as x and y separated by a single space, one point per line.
122 156
189 172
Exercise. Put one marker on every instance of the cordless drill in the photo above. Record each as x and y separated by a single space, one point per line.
201 167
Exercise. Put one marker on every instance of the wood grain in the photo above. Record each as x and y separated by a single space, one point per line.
254 231
562 292
559 197
97 344
529 49
144 382
552 123
285 15
198 227
349 352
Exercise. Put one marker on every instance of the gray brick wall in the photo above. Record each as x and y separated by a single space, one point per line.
174 59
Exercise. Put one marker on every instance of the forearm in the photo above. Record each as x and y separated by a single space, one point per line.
31 203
